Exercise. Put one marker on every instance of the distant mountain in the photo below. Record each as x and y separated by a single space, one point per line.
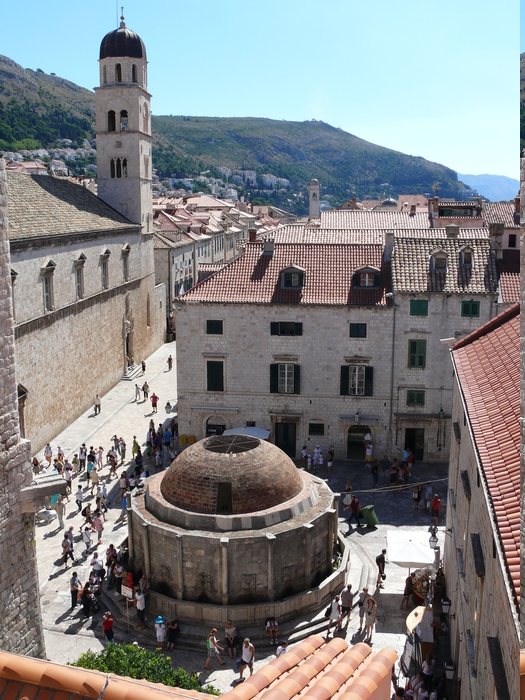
496 188
44 108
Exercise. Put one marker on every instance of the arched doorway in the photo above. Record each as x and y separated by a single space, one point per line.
355 445
215 425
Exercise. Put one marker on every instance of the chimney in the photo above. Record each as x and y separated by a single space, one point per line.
389 245
435 204
269 246
412 210
452 230
517 204
252 233
496 240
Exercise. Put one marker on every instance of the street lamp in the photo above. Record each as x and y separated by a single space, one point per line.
445 605
449 671
168 407
433 540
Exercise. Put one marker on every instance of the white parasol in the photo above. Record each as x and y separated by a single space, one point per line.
409 549
254 431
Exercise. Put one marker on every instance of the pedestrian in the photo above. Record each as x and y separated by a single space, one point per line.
100 457
375 473
427 670
272 627
107 627
370 618
435 507
124 507
355 508
417 496
67 550
94 478
167 438
309 463
230 634
411 460
68 477
98 404
145 390
335 614
247 657
143 366
122 450
160 631
170 363
213 648
303 457
368 453
48 453
404 459
282 649
320 461
61 511
381 563
79 498
86 597
82 454
173 631
154 402
407 594
75 587
70 534
87 538
137 393
317 452
330 461
347 598
140 604
363 598
385 464
428 495
98 526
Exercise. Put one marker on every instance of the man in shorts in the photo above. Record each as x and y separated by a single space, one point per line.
140 604
363 597
347 598
247 657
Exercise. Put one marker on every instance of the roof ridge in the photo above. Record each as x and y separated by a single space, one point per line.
491 325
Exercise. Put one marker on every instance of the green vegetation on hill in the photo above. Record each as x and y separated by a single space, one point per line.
45 108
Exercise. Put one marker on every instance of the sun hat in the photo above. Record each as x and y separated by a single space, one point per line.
159 620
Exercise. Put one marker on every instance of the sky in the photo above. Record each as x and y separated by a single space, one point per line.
437 80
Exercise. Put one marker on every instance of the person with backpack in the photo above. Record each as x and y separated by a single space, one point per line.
381 562
213 648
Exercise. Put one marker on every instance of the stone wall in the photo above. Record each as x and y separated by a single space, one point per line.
483 606
21 627
522 391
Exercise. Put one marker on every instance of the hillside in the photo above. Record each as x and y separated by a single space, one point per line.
496 188
44 108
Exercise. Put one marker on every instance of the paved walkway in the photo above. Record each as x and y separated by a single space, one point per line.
68 634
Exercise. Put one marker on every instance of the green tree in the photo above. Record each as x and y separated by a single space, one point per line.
135 662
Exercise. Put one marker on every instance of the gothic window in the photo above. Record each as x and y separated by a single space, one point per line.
134 74
125 167
123 120
47 279
79 275
119 168
104 268
14 275
118 73
145 121
112 165
125 261
104 76
314 197
146 166
111 121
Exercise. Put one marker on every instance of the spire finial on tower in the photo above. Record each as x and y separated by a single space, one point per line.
122 23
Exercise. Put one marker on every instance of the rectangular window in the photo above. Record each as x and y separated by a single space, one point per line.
357 380
125 264
418 307
417 353
415 398
286 328
316 429
48 293
358 330
105 274
470 309
79 282
285 378
366 279
512 240
356 386
213 327
293 279
214 375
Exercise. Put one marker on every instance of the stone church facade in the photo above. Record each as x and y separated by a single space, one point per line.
82 267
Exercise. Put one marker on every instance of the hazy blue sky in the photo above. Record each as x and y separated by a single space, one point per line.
438 80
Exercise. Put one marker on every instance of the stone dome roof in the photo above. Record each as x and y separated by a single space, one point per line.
231 474
389 202
122 42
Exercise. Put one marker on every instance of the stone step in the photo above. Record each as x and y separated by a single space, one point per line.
132 373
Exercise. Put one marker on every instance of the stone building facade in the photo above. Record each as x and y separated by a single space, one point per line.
21 628
84 297
482 547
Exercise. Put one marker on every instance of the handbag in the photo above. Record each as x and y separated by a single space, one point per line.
328 611
383 577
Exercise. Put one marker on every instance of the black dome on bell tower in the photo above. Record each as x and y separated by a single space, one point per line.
122 42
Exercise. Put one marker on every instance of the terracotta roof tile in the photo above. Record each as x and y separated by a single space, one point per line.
386 220
48 206
329 269
500 213
509 277
488 368
411 270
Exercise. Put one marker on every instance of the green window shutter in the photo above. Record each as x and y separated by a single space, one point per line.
297 379
369 381
215 375
274 328
298 329
418 307
274 379
345 378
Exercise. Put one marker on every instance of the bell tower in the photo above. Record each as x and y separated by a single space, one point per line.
123 126
314 199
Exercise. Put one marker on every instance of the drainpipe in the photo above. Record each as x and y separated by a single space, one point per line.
390 418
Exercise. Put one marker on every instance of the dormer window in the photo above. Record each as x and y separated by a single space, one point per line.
465 257
367 277
293 278
438 261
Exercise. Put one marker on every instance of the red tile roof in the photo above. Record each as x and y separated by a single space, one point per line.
313 670
509 277
488 369
387 220
255 277
500 213
411 266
